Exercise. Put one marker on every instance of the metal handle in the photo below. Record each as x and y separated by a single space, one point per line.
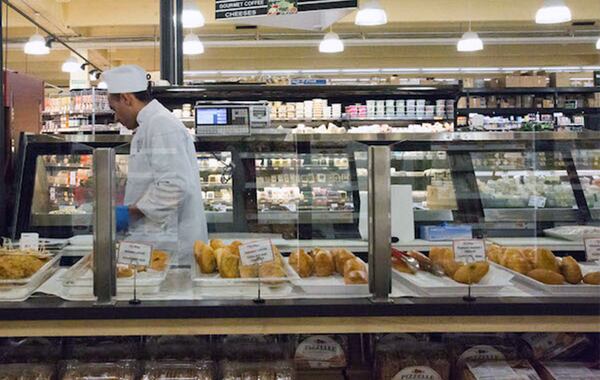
380 225
104 263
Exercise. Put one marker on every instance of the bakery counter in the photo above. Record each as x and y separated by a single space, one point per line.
49 316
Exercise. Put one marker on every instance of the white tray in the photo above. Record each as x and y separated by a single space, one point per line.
79 280
573 233
331 285
579 290
20 290
493 282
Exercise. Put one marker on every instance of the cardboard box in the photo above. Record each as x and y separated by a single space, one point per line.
580 79
534 81
512 81
496 83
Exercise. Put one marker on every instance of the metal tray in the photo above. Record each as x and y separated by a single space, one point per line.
331 285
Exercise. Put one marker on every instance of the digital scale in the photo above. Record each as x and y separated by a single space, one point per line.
225 118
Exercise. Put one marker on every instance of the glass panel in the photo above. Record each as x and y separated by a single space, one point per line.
587 163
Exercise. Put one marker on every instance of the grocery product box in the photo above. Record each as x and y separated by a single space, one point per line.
446 232
580 79
534 81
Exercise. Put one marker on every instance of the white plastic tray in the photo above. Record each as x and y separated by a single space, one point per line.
493 282
212 285
573 233
579 290
78 280
331 285
20 290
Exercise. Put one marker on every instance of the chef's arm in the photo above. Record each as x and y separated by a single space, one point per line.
167 191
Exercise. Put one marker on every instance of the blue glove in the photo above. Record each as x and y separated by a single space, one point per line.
122 217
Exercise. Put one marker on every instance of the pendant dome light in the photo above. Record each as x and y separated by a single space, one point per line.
36 45
470 40
71 65
331 44
192 45
598 44
191 17
553 12
371 13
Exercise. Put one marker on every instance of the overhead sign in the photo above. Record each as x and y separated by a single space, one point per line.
226 9
294 14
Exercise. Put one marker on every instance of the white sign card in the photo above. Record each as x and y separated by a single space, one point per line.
469 251
592 249
134 253
30 241
537 201
256 252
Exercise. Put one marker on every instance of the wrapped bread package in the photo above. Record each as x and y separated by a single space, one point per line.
234 370
321 351
499 369
557 370
28 371
550 346
201 370
395 361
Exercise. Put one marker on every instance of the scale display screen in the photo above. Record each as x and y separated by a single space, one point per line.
211 116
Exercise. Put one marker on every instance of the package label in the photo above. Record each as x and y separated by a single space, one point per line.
492 370
481 354
321 352
569 371
592 249
417 373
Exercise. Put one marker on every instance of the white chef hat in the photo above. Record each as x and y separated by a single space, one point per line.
125 79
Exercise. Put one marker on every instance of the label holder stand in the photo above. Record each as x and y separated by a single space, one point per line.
469 297
259 300
135 300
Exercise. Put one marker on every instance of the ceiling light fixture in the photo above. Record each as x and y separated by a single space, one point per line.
553 12
70 65
371 13
36 45
191 17
598 44
470 42
192 45
331 44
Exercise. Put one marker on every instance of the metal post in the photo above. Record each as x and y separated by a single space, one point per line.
380 225
4 150
171 41
105 285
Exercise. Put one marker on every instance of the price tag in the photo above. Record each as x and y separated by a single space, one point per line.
592 249
30 241
537 201
469 251
291 207
73 178
255 252
134 253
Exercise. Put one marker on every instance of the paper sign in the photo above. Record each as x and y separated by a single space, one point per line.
469 251
537 201
30 241
134 253
592 249
256 252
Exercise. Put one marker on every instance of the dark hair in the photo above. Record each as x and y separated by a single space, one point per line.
144 96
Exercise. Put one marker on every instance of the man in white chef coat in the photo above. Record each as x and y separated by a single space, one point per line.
163 199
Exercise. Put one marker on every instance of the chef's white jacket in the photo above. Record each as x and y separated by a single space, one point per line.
163 182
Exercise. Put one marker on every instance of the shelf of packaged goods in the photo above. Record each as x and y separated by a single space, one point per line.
61 186
524 111
67 167
304 216
336 186
79 113
529 90
530 214
219 185
51 220
303 168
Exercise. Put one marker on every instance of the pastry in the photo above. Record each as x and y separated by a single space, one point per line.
509 253
248 271
271 270
571 271
592 278
159 260
450 267
123 271
471 273
518 262
323 262
354 264
217 243
206 259
341 256
438 254
235 247
355 277
302 263
529 254
219 252
229 266
277 256
401 266
494 252
547 276
545 259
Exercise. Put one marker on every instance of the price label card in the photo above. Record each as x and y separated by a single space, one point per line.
592 249
256 252
469 251
134 253
30 241
537 201
73 178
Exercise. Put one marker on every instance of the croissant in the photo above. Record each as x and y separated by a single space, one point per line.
438 254
323 263
571 270
229 266
356 277
302 263
341 256
545 259
354 265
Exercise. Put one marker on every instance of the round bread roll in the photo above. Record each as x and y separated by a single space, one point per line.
323 263
340 256
302 263
354 264
355 277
